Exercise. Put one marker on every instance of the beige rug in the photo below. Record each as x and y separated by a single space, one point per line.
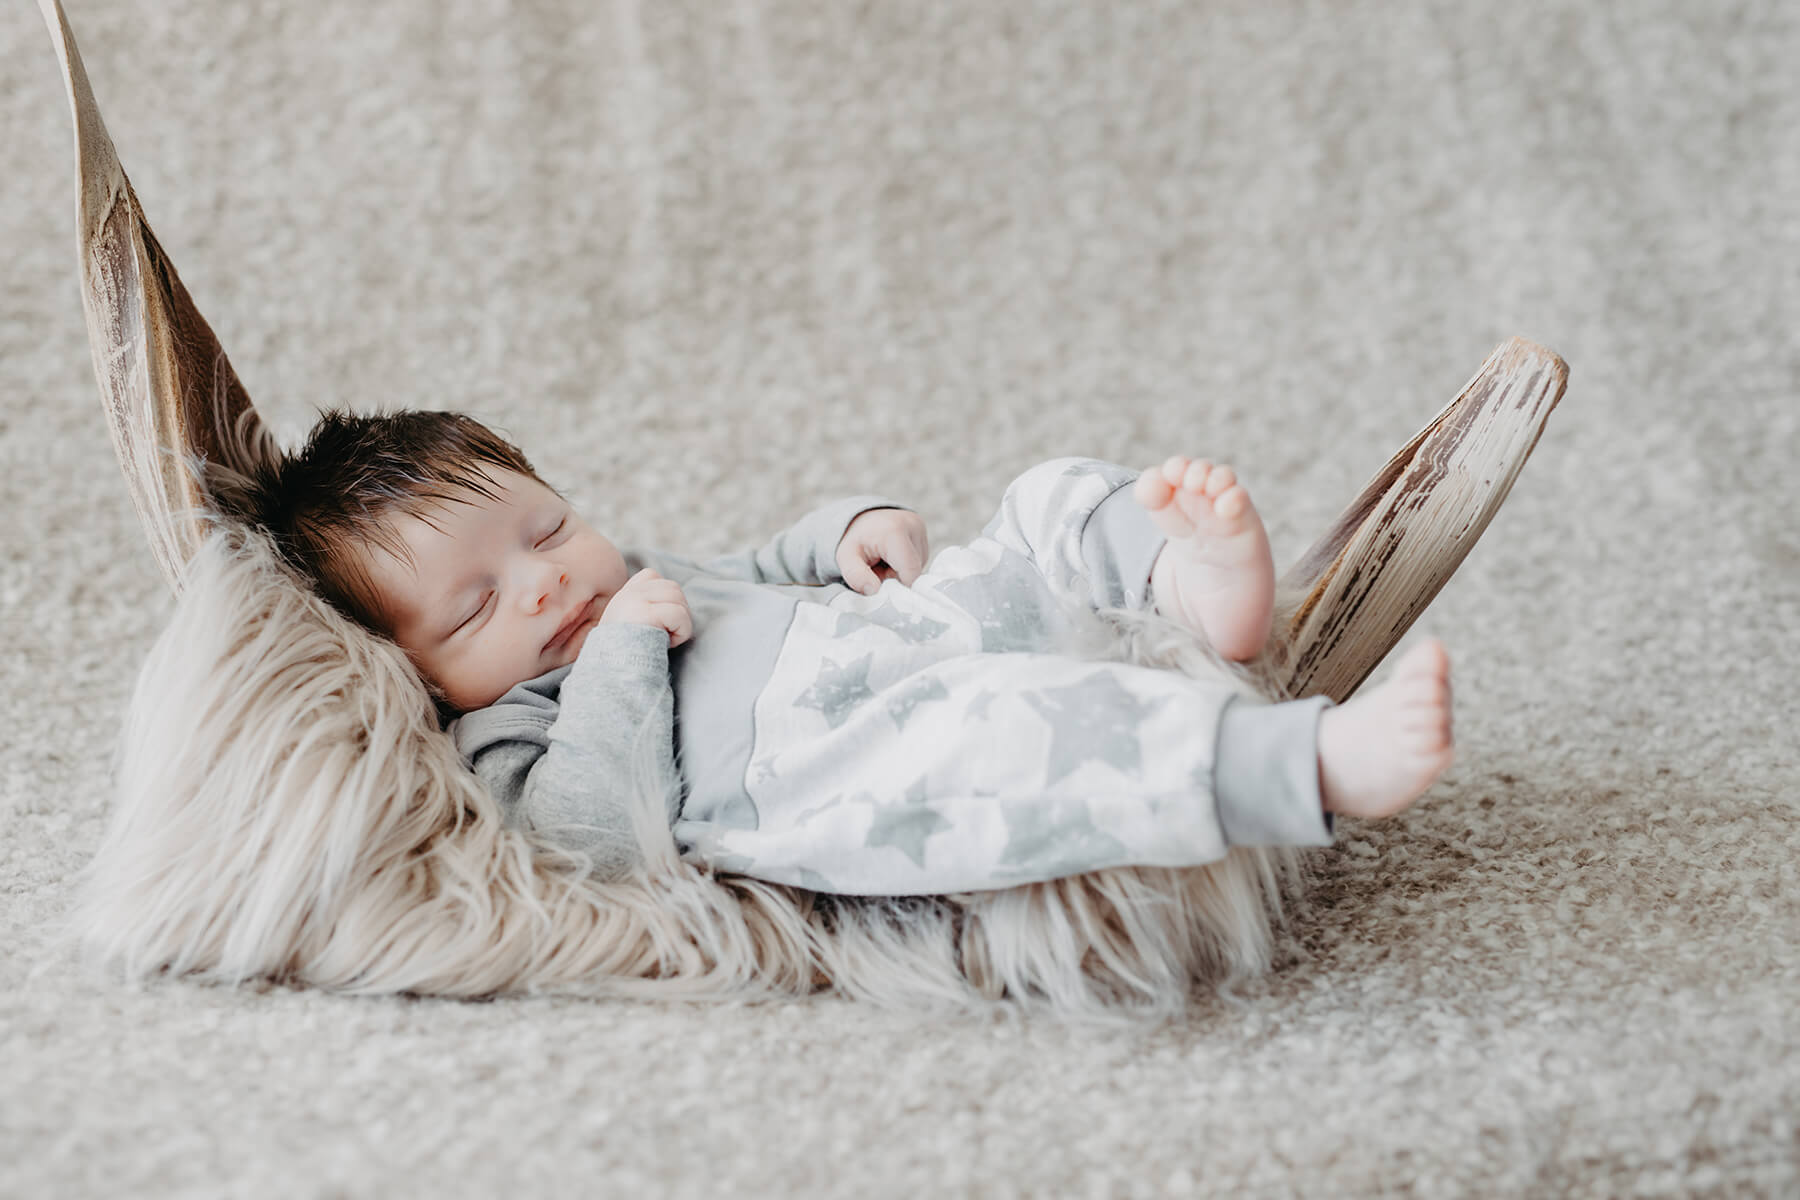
713 262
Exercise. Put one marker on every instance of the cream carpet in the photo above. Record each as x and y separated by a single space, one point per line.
711 263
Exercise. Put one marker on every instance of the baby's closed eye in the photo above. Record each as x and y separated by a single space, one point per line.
468 621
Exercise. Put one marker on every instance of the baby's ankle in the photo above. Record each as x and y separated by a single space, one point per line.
1233 608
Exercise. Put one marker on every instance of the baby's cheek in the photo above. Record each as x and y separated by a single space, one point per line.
467 679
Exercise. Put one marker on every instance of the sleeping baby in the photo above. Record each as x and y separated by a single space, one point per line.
842 711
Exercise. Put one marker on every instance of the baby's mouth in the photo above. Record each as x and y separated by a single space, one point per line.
577 621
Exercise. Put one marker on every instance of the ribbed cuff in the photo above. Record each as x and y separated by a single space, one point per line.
1266 774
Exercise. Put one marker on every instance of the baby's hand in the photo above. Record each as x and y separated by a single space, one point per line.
883 543
649 599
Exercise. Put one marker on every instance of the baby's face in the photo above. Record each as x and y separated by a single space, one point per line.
498 591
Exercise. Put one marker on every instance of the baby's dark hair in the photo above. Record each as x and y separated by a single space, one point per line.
340 493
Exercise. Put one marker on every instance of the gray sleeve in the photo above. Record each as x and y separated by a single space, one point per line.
1266 774
805 552
562 753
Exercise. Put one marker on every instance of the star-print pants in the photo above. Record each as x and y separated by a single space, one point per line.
928 739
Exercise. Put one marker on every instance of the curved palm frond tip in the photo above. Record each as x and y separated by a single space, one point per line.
1352 597
169 391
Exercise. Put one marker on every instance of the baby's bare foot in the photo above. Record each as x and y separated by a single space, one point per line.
1379 752
1216 574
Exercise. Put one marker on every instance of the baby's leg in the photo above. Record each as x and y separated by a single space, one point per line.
1075 522
1216 574
990 770
1185 534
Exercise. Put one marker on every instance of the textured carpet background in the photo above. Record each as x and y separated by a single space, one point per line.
711 263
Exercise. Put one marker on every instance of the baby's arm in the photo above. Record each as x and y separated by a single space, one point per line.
805 552
571 753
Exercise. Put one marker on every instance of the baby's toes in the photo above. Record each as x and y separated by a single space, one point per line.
1197 507
1426 693
1233 504
1428 728
1428 658
1218 480
1429 710
1152 490
1194 478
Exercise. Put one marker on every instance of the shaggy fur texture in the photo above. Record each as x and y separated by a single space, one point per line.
288 809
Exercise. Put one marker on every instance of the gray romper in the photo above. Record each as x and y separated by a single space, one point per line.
923 740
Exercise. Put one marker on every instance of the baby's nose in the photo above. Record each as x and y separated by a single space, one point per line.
547 585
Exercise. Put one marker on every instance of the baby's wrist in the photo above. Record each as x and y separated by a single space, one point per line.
625 631
623 648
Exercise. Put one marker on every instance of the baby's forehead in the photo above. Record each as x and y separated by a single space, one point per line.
435 531
416 534
457 507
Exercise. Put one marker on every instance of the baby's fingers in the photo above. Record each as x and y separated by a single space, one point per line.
680 624
907 557
860 576
655 590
